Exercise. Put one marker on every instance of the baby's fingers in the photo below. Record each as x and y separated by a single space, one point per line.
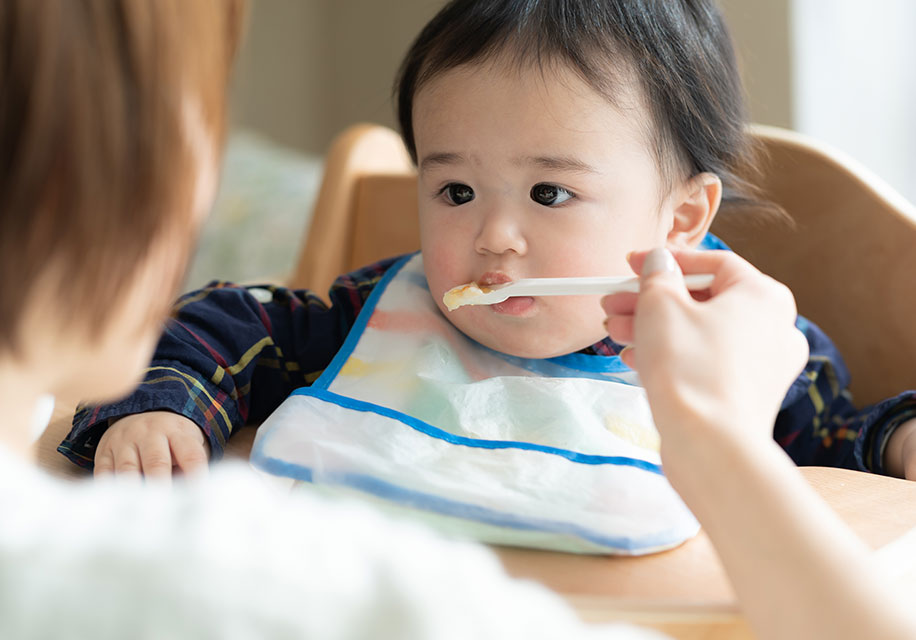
113 456
127 461
156 458
189 453
104 462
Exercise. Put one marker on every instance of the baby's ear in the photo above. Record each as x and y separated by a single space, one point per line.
695 206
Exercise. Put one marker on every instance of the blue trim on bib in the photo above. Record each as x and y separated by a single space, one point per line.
356 331
453 508
572 365
591 363
435 432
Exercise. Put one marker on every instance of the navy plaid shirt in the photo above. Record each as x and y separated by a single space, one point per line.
232 354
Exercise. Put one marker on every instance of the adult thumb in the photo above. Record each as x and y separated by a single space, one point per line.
660 263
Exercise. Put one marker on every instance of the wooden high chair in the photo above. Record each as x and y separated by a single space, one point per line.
849 258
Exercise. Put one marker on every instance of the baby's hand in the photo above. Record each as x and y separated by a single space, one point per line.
900 454
152 444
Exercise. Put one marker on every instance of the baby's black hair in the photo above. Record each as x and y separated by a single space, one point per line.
678 51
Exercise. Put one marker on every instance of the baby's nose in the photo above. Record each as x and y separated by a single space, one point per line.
500 232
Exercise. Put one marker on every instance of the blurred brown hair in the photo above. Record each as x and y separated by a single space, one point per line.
95 162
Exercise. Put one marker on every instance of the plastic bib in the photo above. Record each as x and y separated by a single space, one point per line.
557 454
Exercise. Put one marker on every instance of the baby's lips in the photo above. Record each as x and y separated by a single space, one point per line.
491 278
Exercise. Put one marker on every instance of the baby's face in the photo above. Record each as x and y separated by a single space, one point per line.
525 174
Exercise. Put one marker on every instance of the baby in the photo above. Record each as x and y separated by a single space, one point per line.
552 138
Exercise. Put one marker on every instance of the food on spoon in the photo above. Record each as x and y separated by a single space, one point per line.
463 294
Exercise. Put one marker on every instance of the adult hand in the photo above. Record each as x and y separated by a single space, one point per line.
152 444
716 368
717 363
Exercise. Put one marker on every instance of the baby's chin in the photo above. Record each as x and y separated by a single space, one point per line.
522 340
535 348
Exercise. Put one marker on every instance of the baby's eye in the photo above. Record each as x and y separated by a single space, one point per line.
457 193
550 194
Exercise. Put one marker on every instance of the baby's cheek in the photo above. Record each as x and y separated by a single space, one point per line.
583 322
438 264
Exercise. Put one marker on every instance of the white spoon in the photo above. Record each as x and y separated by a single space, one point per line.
474 294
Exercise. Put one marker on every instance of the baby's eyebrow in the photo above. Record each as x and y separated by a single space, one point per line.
440 160
552 163
559 163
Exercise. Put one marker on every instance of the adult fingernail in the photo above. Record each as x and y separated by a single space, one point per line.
658 260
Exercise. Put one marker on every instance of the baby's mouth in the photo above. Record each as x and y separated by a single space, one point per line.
515 306
492 278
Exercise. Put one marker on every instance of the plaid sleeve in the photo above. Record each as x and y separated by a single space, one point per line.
231 354
819 424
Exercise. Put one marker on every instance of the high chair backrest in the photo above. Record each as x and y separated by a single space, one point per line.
850 257
366 208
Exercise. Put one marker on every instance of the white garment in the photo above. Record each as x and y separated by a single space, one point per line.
227 557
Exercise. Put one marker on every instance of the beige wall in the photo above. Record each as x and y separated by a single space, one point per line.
370 39
311 67
761 30
280 70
